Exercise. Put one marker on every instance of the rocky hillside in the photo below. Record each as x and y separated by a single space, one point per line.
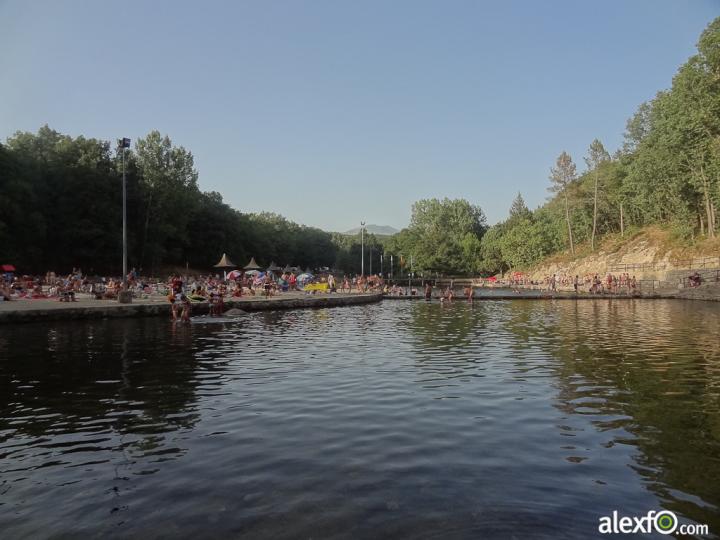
650 253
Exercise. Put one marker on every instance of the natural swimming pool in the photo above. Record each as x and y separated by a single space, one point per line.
401 419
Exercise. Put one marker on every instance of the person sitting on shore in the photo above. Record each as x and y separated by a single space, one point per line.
469 293
695 279
67 293
5 293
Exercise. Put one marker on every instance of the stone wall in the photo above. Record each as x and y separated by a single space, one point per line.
114 310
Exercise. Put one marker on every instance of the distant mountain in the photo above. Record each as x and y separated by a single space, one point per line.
384 230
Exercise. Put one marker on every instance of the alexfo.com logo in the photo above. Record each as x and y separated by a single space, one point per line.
663 522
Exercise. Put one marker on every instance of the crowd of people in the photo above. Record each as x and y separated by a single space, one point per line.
182 291
593 283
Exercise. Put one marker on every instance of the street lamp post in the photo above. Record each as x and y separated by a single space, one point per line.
124 143
362 248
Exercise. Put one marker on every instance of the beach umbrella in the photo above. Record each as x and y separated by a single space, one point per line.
492 279
8 268
225 263
304 277
252 272
252 265
235 274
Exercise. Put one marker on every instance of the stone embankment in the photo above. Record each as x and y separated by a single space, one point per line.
645 256
52 310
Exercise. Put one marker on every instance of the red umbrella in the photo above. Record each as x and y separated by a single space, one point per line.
8 268
492 278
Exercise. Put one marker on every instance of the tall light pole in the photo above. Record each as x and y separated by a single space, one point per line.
362 248
124 143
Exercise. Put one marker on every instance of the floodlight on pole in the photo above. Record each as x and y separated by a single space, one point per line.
124 144
362 248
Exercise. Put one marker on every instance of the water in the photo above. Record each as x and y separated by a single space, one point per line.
505 419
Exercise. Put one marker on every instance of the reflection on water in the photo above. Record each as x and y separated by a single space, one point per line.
402 419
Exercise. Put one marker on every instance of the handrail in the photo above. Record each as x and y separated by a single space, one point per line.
678 264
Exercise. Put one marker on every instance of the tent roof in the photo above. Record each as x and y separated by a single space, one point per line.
273 267
225 263
8 268
252 265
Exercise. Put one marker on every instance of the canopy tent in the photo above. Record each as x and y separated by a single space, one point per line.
225 263
287 269
7 268
308 271
252 265
273 267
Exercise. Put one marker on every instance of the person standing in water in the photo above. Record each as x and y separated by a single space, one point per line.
469 293
428 291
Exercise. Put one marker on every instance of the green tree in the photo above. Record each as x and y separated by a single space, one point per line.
597 155
447 234
562 176
518 209
168 182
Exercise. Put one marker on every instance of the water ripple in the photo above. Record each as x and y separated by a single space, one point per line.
495 420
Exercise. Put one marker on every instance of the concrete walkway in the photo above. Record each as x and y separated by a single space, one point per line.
87 308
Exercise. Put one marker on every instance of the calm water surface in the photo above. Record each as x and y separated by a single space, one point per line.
505 419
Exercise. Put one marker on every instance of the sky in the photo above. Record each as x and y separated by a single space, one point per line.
332 112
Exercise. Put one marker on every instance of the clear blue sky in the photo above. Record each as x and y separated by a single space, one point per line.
332 112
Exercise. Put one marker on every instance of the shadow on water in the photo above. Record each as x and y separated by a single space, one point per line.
647 376
88 372
636 381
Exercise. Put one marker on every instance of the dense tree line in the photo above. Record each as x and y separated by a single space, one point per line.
61 207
